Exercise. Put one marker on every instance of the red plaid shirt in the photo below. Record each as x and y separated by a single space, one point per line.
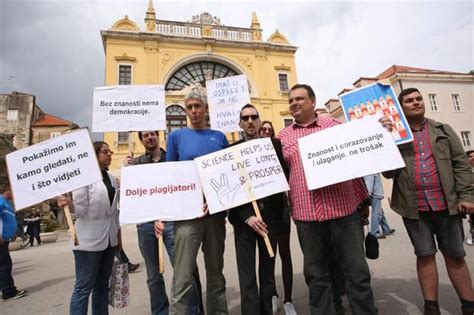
330 202
429 193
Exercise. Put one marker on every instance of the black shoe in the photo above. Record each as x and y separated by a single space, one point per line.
391 232
132 267
431 310
18 294
467 311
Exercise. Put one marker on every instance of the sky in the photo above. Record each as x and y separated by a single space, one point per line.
53 48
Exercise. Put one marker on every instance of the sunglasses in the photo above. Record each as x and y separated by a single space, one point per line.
247 117
267 129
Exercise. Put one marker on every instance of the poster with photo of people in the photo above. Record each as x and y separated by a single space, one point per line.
377 99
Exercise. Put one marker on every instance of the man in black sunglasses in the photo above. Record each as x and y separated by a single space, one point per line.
249 230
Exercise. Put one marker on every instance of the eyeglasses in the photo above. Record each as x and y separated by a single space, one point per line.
267 129
247 117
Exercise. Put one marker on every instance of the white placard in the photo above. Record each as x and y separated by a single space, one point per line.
354 149
129 108
226 97
241 174
168 191
53 167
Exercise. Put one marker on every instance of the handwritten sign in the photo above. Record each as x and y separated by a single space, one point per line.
167 191
351 150
129 108
53 167
226 98
240 174
377 99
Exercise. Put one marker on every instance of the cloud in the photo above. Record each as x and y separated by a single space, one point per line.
53 48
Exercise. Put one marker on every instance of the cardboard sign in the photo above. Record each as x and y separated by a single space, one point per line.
241 174
129 108
377 99
160 191
53 167
226 97
351 150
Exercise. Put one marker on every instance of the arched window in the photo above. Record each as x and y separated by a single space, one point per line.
198 72
175 117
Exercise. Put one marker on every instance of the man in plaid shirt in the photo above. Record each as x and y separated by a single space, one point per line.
326 218
431 193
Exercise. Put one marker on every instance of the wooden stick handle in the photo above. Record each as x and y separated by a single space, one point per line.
72 229
265 238
130 143
161 259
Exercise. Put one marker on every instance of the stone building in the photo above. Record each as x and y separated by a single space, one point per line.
26 123
48 126
17 112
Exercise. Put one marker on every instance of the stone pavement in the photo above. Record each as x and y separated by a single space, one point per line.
47 272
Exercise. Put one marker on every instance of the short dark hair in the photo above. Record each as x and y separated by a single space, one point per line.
308 89
406 92
4 183
469 152
248 106
140 134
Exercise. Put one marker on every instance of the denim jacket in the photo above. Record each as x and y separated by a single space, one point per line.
453 168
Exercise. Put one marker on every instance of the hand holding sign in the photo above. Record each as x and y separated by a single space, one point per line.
329 155
52 167
248 172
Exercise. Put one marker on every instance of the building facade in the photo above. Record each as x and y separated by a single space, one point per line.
17 112
181 54
26 123
48 126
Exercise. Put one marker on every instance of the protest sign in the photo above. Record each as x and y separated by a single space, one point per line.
53 167
377 99
129 108
355 149
240 174
160 191
226 97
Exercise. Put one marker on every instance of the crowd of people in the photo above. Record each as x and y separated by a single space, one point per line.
432 194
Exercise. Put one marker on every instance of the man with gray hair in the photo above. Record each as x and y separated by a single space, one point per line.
209 230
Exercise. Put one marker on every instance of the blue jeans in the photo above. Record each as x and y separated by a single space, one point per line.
148 244
378 217
93 271
344 238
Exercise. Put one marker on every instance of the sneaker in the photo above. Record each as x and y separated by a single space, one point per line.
289 308
275 304
469 241
379 235
18 294
132 267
